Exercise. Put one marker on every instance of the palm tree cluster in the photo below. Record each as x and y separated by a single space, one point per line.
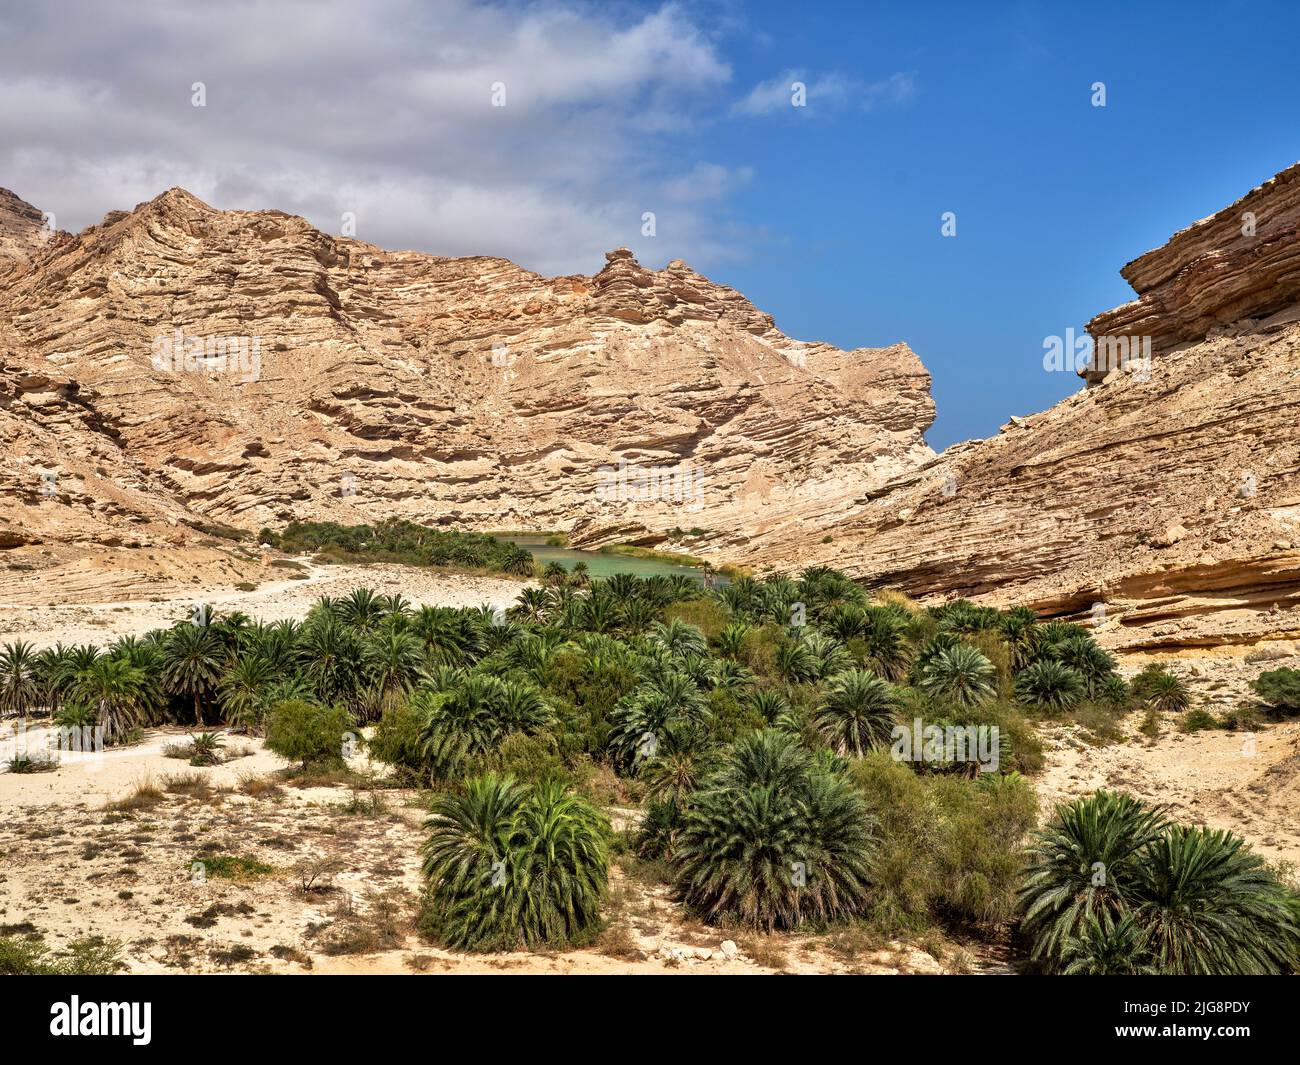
396 540
743 716
1113 887
511 866
365 652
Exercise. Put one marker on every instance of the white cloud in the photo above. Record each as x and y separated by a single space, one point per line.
382 108
830 90
707 181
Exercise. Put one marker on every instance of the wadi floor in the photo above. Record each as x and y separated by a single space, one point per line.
231 868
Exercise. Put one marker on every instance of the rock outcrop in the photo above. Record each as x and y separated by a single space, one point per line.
178 364
1241 263
1163 503
23 233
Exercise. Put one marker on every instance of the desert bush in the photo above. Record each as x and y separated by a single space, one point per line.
397 741
948 848
307 733
1279 688
1198 720
88 956
707 615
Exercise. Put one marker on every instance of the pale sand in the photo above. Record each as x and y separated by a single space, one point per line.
73 868
1214 777
1205 778
43 610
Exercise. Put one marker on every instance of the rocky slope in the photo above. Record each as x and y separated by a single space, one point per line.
1169 496
179 364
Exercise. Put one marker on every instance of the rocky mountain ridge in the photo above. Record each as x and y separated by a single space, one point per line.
177 365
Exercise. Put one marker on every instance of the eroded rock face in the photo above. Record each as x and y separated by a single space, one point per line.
23 234
1170 498
1240 263
183 363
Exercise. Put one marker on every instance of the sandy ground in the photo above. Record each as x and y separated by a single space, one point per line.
83 853
1248 782
64 605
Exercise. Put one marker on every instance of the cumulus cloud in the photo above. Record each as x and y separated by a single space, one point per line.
829 90
384 109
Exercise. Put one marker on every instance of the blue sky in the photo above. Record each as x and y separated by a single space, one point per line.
1052 195
827 216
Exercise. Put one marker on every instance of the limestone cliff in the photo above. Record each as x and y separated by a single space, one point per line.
178 364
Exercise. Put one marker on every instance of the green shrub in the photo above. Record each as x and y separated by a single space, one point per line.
88 956
948 848
1198 720
396 740
708 616
530 759
307 733
1280 688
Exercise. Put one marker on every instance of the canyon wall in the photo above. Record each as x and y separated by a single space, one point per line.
178 365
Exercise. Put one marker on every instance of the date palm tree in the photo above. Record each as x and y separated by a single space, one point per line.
888 651
858 712
770 703
773 840
1211 907
192 663
1115 950
959 676
731 639
1085 865
508 867
451 637
362 609
1091 662
239 688
1050 686
640 721
19 671
471 719
394 661
116 691
332 656
532 605
679 638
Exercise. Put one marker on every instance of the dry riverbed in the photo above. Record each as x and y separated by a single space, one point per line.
230 868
